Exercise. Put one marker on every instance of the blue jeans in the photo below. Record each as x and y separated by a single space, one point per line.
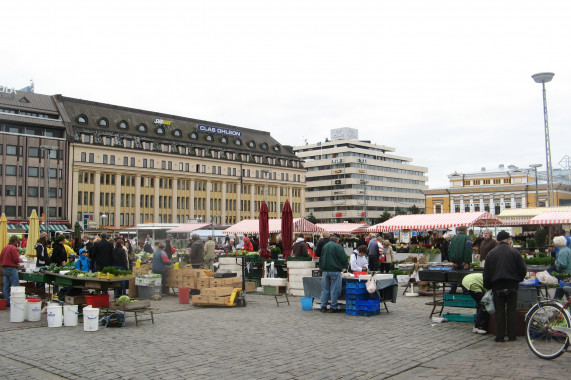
10 279
123 290
330 286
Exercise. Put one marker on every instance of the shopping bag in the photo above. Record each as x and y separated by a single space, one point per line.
488 302
371 284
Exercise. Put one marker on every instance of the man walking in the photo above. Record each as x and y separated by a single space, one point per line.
503 271
196 252
460 252
333 260
10 259
209 255
103 253
373 253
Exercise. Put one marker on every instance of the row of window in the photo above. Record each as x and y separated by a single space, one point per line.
16 211
496 181
31 131
32 191
18 150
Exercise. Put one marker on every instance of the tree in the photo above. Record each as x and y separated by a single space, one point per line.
398 211
414 210
384 217
311 218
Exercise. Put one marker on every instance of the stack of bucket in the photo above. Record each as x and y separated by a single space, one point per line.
17 303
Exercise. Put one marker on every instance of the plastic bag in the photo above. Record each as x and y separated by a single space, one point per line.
488 302
371 285
545 278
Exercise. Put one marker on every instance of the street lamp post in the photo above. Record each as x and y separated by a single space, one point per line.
48 149
535 166
544 78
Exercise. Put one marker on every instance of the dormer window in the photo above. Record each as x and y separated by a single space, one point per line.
160 130
142 128
238 142
122 125
194 135
177 133
224 140
103 122
209 138
251 144
82 119
277 148
264 146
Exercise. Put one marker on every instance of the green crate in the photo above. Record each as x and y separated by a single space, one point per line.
459 300
292 258
275 290
35 277
455 317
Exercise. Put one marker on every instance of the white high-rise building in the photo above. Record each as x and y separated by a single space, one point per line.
351 180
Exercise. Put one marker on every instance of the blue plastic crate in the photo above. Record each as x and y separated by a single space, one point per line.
368 313
356 285
351 312
350 302
368 305
361 296
356 291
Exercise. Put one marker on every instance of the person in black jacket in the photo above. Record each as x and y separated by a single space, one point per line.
59 257
41 247
120 262
103 253
504 269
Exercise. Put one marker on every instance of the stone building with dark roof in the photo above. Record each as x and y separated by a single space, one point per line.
134 166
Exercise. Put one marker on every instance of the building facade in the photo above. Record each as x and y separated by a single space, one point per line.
352 180
497 190
113 166
34 159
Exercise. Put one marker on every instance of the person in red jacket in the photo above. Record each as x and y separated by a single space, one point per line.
10 259
248 246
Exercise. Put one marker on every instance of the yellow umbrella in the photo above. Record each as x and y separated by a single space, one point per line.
3 231
33 234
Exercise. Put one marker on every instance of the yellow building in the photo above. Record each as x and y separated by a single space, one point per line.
130 166
496 191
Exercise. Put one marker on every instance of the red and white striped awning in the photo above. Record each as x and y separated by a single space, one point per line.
552 217
343 228
188 227
252 227
428 222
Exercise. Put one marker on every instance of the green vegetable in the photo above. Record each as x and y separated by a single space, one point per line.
123 299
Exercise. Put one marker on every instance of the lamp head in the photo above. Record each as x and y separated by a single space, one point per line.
542 77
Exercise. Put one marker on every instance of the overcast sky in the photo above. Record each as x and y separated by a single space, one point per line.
447 83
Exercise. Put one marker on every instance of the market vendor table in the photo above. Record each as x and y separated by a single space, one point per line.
388 288
89 282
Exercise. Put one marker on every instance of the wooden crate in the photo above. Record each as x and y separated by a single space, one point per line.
125 306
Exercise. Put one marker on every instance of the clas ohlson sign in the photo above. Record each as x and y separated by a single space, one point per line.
218 130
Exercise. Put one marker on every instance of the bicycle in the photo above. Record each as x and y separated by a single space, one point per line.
548 327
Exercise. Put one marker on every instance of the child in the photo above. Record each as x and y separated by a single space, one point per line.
82 263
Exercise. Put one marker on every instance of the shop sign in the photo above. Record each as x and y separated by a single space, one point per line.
219 131
7 90
163 122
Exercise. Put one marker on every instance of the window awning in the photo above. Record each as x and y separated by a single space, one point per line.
53 227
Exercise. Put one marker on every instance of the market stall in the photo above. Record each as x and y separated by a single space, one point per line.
429 222
343 228
252 227
552 217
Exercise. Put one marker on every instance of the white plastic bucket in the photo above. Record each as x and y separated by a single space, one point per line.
70 315
18 290
17 311
90 319
19 298
34 310
55 315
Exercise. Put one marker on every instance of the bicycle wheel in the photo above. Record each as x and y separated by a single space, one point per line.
541 338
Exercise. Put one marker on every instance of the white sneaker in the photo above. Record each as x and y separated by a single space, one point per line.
479 331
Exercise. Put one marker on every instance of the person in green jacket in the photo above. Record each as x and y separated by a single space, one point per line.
333 261
460 252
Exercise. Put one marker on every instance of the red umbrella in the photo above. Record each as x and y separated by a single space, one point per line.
264 231
287 229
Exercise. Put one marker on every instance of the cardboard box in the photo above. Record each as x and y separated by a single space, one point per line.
188 282
203 282
250 287
217 282
200 299
216 292
229 281
219 300
75 300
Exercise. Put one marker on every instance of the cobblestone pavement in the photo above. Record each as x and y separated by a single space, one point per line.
263 341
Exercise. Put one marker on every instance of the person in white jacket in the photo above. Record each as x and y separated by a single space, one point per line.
359 261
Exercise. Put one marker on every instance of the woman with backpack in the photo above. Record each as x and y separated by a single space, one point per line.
359 261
